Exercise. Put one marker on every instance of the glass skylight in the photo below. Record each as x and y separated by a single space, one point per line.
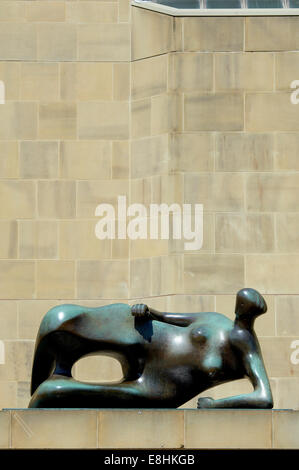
228 4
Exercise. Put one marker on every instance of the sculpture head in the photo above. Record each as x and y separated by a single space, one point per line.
249 303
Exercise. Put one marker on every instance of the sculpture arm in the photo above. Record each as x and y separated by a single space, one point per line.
261 397
178 319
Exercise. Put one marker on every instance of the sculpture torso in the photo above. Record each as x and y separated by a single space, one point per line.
195 357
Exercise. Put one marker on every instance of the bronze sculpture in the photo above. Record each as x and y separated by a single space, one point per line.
166 358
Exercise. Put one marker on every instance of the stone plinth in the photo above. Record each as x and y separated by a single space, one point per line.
149 429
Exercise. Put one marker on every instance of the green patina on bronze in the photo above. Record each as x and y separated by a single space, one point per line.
167 358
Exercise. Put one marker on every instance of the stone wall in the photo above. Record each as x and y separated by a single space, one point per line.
103 99
238 146
64 149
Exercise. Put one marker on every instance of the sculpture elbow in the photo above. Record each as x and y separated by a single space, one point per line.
268 404
265 402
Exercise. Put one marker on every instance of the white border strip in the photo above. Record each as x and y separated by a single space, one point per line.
148 5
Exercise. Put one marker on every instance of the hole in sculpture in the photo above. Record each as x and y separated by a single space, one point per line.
97 369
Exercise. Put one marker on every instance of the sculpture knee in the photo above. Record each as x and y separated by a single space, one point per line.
57 316
49 346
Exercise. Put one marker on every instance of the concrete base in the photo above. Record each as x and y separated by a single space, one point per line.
149 429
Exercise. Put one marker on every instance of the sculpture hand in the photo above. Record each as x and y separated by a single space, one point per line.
140 311
205 402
